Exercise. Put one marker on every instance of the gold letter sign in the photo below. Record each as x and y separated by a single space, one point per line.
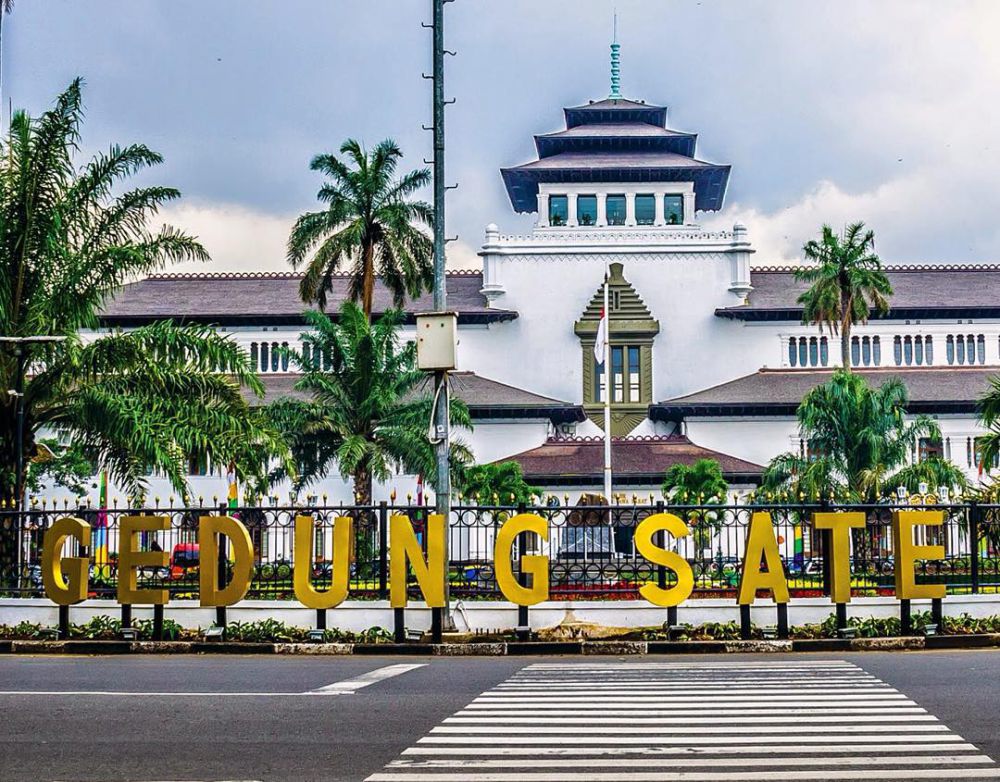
907 552
840 526
58 589
761 543
305 592
536 565
208 558
130 558
404 548
677 594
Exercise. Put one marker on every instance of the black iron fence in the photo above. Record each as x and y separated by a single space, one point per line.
591 549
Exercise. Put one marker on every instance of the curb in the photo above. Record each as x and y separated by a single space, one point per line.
512 649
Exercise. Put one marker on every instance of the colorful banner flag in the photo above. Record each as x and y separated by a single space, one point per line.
99 536
234 490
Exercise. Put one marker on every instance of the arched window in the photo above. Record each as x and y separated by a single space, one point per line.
263 357
855 351
253 354
866 351
803 352
908 351
824 351
918 350
876 351
897 350
928 350
813 352
306 355
960 349
793 354
949 349
274 357
981 348
284 357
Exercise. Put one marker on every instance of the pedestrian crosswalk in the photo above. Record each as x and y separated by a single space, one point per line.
718 721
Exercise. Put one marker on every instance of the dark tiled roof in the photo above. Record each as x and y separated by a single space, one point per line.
779 391
270 298
958 291
622 104
615 160
643 460
487 399
615 129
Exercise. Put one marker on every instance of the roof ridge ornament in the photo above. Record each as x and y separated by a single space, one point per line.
616 65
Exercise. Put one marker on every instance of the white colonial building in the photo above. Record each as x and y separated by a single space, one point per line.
709 356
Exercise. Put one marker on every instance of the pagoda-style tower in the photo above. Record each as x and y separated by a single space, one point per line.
626 165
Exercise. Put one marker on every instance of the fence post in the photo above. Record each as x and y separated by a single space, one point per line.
383 551
64 623
221 570
158 622
974 545
399 625
523 627
905 618
745 621
782 620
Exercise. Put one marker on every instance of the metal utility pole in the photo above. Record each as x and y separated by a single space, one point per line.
442 429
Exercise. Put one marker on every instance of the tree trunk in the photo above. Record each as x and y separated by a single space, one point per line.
368 280
845 330
363 548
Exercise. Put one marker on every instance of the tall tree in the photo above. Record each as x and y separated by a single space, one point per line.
128 401
371 224
858 443
846 282
367 408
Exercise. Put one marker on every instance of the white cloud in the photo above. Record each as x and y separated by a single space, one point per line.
246 240
238 239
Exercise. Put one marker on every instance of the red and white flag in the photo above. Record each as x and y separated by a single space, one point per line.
602 338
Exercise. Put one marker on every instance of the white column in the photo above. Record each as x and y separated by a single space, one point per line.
602 210
630 209
660 218
688 208
543 210
571 208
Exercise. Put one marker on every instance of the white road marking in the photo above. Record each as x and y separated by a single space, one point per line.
659 722
349 686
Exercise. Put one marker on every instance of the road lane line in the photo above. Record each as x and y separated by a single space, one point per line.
742 750
349 686
868 760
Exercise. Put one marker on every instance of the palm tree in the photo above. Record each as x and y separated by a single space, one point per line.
846 283
701 483
859 441
131 402
368 407
988 445
497 484
370 224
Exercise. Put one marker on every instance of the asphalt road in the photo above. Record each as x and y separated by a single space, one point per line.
77 719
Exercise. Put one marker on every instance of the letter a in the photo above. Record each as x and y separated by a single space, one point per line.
761 544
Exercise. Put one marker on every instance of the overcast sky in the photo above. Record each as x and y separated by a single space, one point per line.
886 111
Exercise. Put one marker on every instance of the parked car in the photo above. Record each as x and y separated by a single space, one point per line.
184 561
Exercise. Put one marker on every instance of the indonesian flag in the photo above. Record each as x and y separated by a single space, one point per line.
602 338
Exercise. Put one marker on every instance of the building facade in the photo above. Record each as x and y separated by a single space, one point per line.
709 355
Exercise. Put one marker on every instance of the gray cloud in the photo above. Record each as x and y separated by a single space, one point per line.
828 111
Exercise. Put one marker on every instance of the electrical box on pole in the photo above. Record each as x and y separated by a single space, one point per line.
436 341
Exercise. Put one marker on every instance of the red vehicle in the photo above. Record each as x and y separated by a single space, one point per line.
184 561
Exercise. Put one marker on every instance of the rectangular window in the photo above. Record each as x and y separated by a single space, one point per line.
633 374
558 209
586 209
927 448
198 464
673 209
626 375
617 374
645 209
616 209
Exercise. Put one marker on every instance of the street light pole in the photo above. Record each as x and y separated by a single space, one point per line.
442 430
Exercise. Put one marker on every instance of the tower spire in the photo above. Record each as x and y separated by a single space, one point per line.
616 66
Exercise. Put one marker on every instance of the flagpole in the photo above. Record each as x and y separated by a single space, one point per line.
607 391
